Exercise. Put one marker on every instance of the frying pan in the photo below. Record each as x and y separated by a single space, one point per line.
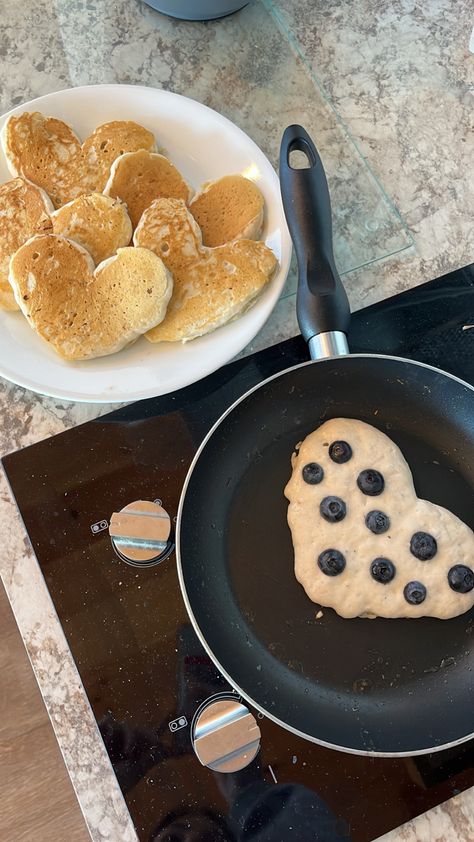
383 687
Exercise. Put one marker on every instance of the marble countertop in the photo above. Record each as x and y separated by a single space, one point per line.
388 85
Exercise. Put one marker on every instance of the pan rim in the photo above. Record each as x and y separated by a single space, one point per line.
201 637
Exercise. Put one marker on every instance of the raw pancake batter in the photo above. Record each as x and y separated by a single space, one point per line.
364 543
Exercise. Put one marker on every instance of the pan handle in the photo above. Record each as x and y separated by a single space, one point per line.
321 302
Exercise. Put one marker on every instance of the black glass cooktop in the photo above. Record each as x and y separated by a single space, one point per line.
142 666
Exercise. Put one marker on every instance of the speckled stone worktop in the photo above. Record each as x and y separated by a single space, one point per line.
386 86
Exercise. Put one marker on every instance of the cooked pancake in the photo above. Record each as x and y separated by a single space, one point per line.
140 177
84 313
24 211
98 223
111 140
230 208
211 286
47 152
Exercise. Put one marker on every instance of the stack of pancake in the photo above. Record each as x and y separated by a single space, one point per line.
103 242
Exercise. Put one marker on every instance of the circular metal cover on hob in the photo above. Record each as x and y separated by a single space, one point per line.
141 533
225 735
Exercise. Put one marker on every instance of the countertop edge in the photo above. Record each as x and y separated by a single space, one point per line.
86 759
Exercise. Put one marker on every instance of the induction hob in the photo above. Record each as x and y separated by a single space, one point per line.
145 673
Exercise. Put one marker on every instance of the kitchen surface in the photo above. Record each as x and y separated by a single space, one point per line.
386 90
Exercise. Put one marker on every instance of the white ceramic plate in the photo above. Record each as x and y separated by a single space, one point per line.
203 145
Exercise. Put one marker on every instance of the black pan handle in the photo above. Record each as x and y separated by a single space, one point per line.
321 303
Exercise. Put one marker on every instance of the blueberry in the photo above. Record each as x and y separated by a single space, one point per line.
423 546
371 482
382 570
340 452
332 509
414 593
461 578
377 522
312 473
331 562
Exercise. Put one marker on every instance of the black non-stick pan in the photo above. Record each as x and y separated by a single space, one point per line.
378 686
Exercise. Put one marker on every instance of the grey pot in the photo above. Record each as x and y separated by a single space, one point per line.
197 9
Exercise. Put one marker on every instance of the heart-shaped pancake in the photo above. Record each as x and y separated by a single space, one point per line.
84 313
230 208
138 178
47 152
98 223
24 211
364 543
211 286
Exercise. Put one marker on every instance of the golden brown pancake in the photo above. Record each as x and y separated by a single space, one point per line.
24 211
109 141
211 286
98 223
46 151
83 313
140 177
230 208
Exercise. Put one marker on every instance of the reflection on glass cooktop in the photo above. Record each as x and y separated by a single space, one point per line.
144 671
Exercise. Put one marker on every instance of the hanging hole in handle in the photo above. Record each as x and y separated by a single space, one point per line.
300 155
298 160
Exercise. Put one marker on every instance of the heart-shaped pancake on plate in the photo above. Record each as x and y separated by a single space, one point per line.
84 312
47 152
211 286
138 178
